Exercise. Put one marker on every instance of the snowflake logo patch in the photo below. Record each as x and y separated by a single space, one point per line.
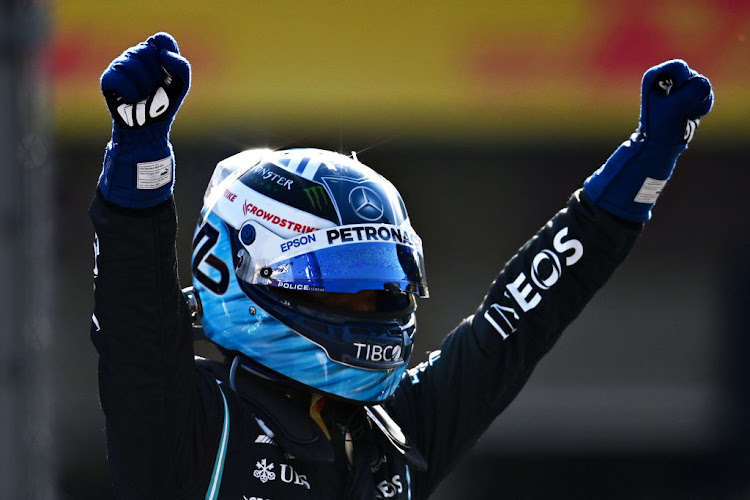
264 471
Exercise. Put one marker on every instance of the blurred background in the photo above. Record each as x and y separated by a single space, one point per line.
487 116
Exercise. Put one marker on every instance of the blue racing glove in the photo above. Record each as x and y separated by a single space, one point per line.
673 99
144 87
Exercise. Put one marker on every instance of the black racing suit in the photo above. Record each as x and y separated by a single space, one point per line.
173 431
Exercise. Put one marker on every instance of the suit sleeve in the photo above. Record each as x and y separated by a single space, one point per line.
446 403
156 424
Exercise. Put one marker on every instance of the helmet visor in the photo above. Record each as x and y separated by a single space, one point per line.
343 259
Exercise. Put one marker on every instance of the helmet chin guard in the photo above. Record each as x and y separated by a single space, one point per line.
282 231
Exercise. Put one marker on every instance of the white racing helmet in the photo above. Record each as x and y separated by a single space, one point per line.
284 233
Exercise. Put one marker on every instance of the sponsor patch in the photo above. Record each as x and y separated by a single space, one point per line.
264 471
298 242
375 232
345 235
525 292
250 209
291 189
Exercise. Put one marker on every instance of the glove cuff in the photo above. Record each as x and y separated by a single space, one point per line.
137 174
631 180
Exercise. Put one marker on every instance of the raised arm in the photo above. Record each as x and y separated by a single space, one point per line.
446 403
140 327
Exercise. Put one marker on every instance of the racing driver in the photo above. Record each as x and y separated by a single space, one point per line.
306 273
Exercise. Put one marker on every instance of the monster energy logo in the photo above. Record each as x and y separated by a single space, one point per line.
317 197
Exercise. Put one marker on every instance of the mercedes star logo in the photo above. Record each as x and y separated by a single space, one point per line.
366 203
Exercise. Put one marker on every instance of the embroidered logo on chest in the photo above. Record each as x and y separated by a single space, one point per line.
265 471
